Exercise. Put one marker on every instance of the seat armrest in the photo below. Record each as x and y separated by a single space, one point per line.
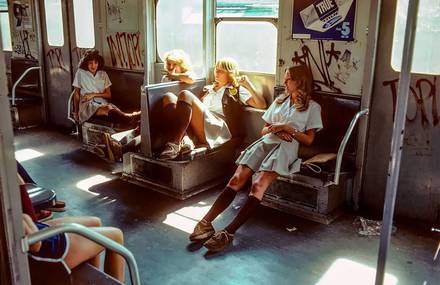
344 144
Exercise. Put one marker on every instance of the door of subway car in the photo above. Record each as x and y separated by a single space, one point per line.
68 30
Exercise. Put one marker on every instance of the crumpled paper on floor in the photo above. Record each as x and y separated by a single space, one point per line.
368 227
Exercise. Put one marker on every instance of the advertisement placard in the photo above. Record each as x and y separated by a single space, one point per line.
324 19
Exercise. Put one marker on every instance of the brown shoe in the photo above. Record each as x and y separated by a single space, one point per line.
219 241
202 231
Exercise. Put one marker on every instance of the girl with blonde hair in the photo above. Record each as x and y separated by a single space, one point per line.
206 116
291 120
177 67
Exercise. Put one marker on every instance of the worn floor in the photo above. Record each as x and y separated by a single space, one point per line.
264 252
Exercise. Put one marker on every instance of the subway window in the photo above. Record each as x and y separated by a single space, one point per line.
84 25
179 25
4 25
426 57
246 32
54 22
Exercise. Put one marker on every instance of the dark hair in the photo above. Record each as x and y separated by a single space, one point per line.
89 55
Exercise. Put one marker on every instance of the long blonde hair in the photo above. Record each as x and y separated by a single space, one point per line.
180 57
231 66
300 73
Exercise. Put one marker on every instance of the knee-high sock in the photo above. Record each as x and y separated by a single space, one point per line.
223 201
181 121
245 213
118 117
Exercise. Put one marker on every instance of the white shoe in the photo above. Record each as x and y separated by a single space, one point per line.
186 145
170 151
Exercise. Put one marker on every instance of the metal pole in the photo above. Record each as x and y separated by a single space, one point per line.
397 139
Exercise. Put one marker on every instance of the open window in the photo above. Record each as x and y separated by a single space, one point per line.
426 57
247 31
4 26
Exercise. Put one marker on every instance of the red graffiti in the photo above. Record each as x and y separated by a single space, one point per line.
423 91
56 59
125 50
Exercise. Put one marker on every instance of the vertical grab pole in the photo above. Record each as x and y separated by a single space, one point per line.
397 138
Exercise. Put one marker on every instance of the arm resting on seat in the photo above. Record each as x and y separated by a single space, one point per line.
90 234
344 144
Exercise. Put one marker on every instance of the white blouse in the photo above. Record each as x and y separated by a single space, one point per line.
285 114
213 100
87 83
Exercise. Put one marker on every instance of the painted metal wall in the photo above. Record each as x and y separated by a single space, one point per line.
418 194
122 32
337 66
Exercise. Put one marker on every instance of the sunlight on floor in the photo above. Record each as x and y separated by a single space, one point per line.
27 154
347 272
186 218
88 183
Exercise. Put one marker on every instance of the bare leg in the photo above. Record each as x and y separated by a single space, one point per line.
87 221
240 177
261 183
169 98
82 249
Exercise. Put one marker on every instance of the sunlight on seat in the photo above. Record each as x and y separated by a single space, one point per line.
27 154
347 272
88 183
186 218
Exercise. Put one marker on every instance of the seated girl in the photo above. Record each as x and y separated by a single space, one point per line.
92 92
63 252
291 120
205 116
177 67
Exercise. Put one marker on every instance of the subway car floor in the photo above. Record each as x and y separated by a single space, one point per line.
156 229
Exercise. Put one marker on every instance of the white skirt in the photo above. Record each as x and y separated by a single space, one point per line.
88 108
216 129
270 153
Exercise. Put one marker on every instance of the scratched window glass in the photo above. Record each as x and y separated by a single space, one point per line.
250 53
84 25
4 25
179 26
426 57
247 8
54 22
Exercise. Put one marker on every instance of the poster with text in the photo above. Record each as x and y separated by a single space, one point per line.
324 19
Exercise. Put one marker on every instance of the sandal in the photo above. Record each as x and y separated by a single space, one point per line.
59 206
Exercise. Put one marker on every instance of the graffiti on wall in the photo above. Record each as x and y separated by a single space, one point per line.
23 42
327 64
125 50
122 15
79 53
56 59
423 97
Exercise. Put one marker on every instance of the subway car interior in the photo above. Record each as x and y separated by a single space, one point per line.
220 142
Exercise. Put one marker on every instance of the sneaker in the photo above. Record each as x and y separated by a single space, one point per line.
203 230
219 241
186 145
171 151
59 206
44 215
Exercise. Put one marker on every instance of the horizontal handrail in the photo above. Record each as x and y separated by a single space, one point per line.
344 144
90 234
20 79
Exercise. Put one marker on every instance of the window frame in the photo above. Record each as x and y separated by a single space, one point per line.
10 35
272 20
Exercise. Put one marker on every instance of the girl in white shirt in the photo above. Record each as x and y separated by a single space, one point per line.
177 67
205 117
92 92
291 120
